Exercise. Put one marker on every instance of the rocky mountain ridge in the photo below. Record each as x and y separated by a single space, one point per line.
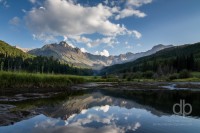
66 53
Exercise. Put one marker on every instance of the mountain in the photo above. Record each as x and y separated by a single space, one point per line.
14 59
22 49
169 60
70 55
131 57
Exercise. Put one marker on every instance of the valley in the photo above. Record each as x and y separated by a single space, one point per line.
99 66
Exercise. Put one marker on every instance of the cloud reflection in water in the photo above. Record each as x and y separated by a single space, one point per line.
101 119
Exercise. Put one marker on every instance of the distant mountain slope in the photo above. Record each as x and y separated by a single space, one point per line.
132 57
68 54
23 49
177 58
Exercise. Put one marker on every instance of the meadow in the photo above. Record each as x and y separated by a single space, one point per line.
18 79
11 82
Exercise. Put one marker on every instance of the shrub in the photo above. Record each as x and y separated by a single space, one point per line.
129 79
125 76
148 74
184 74
173 76
137 75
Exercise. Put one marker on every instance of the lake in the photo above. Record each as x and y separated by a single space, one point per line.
101 109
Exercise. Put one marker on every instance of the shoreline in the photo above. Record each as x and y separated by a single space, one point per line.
132 86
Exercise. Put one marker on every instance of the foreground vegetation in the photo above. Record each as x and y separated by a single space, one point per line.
10 79
29 82
37 81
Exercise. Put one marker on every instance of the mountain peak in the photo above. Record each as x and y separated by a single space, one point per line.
64 44
73 55
161 46
56 45
158 46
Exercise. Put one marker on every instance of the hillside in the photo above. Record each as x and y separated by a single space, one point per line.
170 60
8 50
13 59
76 57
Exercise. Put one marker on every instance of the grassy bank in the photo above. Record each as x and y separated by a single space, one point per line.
37 80
11 81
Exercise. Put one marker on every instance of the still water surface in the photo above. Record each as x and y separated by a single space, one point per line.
98 112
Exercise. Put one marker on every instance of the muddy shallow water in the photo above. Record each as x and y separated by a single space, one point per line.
103 107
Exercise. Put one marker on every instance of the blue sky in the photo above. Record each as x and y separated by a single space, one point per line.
107 27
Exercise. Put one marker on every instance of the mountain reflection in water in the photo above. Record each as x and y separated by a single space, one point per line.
100 113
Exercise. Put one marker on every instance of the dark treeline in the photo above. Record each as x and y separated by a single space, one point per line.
164 67
171 65
175 62
39 64
12 59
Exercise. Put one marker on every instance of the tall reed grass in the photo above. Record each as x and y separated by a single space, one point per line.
30 80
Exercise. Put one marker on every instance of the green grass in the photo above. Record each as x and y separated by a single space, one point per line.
188 80
196 74
10 81
195 77
35 82
30 80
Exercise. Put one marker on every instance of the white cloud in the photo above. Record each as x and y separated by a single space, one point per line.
15 21
91 43
69 19
138 35
81 39
106 2
84 111
70 44
23 10
65 38
74 21
96 53
129 12
42 8
106 40
47 123
113 3
46 37
103 53
136 126
33 1
83 50
138 3
130 9
4 3
105 108
129 47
